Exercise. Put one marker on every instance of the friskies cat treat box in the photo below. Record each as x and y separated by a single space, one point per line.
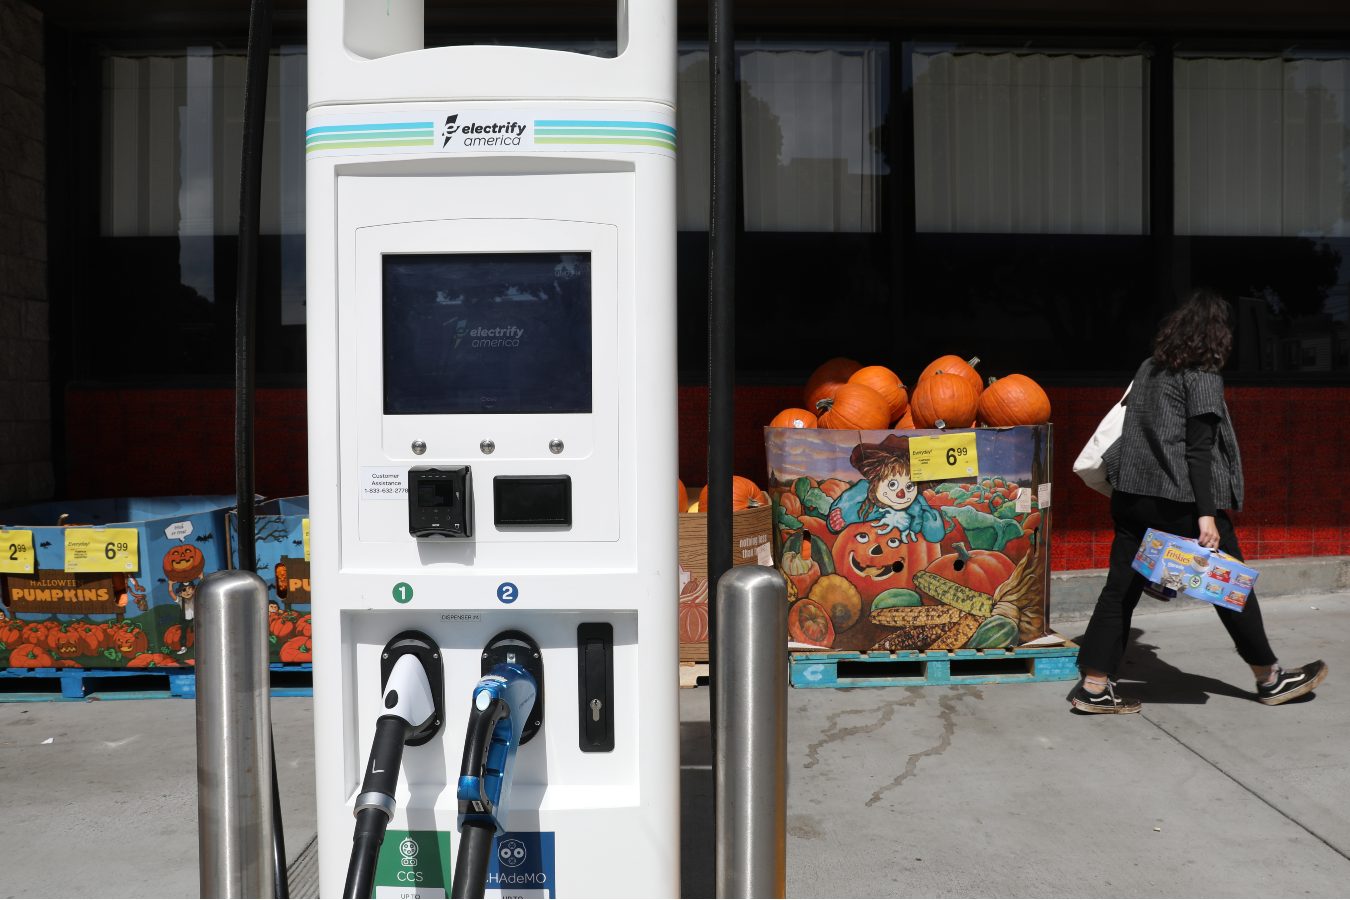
912 540
106 584
1178 565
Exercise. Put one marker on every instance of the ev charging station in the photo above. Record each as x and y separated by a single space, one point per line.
492 430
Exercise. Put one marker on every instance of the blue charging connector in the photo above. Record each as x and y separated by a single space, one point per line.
503 702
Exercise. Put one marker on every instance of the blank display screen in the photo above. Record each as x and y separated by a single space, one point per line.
532 500
487 333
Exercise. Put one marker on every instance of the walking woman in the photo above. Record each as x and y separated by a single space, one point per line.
1176 468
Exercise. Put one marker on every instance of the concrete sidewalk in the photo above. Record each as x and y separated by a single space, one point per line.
963 791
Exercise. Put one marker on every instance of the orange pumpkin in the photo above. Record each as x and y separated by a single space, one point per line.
809 624
694 611
827 377
683 500
793 417
296 650
876 560
791 504
1013 400
944 401
35 632
29 656
11 633
66 642
854 407
745 494
128 639
979 570
183 563
94 636
800 568
955 365
906 422
173 637
153 661
282 625
887 384
833 487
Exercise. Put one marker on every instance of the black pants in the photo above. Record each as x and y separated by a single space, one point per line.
1104 644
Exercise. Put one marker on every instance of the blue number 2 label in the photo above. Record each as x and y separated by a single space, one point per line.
507 592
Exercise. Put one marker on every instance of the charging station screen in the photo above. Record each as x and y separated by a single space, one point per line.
487 333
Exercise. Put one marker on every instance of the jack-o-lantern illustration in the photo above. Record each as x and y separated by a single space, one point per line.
184 563
875 557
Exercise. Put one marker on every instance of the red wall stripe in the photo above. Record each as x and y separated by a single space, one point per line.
137 442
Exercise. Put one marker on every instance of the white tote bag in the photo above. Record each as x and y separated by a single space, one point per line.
1091 462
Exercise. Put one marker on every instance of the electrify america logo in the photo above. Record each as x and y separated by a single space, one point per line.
481 134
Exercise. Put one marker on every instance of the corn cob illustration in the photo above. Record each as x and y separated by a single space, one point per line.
958 635
915 616
913 637
946 591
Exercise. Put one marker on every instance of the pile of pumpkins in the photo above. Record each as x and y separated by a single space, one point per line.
745 494
843 393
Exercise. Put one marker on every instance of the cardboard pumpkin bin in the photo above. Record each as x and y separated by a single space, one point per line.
751 534
912 540
281 546
106 584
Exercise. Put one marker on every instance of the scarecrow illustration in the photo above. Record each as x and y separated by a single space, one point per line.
887 495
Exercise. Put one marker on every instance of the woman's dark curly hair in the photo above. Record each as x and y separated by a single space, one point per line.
1196 335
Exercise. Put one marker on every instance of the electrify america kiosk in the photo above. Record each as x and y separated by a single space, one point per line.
491 317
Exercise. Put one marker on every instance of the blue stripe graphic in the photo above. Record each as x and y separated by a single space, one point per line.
577 123
383 126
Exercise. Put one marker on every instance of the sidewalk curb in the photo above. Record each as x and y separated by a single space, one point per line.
1074 594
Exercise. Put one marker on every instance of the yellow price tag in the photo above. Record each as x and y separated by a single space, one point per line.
16 552
943 456
304 526
102 550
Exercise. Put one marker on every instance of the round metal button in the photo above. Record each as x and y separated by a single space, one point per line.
419 447
555 446
487 446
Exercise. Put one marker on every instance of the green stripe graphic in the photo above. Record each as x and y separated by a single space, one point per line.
367 136
353 145
664 145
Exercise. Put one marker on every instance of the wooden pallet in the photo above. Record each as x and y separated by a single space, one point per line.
29 685
693 674
909 668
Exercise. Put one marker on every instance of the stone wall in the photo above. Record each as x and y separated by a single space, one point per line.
25 386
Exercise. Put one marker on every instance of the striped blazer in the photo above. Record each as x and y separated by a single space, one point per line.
1150 456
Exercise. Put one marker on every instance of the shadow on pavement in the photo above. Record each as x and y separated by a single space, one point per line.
1151 679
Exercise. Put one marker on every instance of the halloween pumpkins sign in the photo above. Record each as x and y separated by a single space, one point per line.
876 559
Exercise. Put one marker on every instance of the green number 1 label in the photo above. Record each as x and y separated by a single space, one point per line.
403 592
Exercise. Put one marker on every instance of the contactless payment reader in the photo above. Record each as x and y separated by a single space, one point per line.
491 325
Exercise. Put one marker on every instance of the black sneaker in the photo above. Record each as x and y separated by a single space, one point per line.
1292 683
1105 702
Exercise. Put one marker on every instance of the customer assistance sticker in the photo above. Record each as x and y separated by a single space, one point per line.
388 483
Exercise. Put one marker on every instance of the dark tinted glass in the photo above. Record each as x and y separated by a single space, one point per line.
487 333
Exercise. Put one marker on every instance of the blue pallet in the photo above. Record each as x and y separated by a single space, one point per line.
909 668
29 685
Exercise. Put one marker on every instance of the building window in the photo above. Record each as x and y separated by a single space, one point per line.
810 117
1040 142
1262 199
1031 184
809 128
